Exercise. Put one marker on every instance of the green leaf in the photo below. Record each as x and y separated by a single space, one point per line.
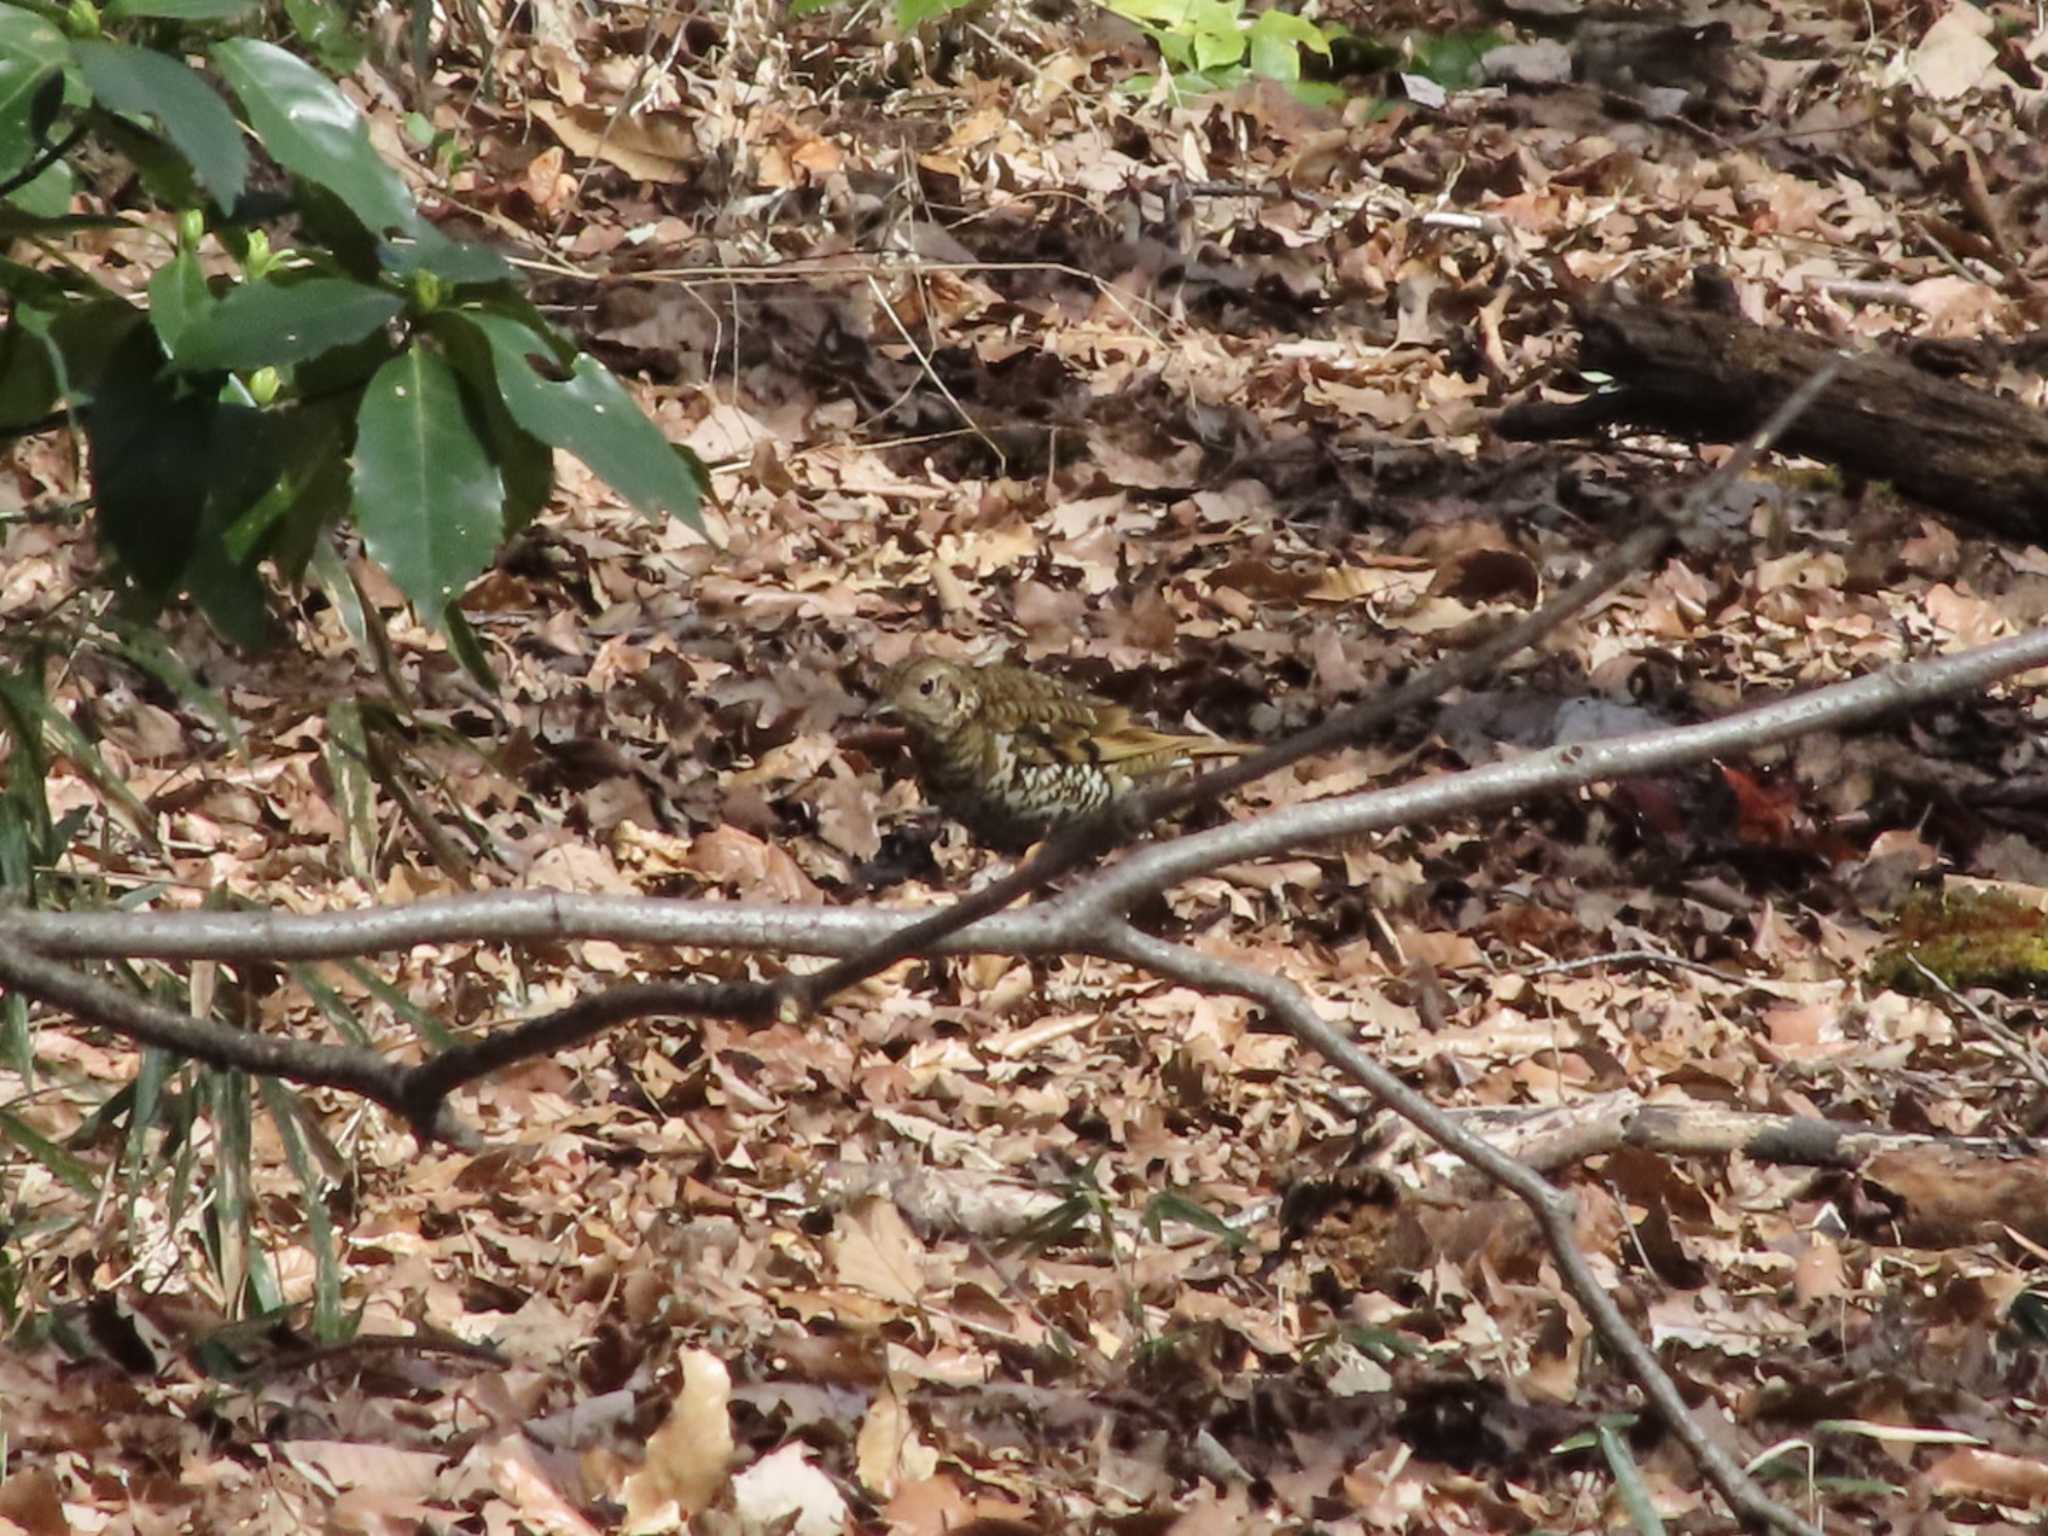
468 649
55 734
1219 39
1322 93
144 81
66 1168
247 448
319 505
525 463
1169 15
310 441
1452 60
28 383
458 261
426 1023
32 52
428 499
149 440
76 343
333 1007
236 1258
1173 1206
272 324
588 414
287 1113
178 299
325 29
181 10
912 14
348 774
315 132
1277 39
49 194
1629 1483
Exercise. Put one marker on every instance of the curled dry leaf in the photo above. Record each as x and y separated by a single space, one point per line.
690 1456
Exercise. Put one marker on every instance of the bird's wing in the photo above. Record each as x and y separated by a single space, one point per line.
1111 739
1149 751
1051 743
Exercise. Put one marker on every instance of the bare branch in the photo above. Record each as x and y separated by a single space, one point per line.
538 916
319 1064
1839 706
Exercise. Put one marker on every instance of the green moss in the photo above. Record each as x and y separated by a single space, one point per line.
1967 939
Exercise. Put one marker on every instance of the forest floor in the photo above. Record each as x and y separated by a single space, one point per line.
994 357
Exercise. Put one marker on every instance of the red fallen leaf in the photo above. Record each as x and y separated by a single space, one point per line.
1768 816
1655 803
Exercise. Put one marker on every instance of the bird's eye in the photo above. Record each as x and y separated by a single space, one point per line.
927 685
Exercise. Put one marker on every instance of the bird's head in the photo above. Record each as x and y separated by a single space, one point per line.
933 697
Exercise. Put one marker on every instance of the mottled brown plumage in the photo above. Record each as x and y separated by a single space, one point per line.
1012 754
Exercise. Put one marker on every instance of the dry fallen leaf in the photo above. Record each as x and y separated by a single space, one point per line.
689 1458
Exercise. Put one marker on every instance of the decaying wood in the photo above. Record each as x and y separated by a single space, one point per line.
1937 1191
1969 454
1556 1136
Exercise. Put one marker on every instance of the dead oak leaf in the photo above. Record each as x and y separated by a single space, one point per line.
689 1457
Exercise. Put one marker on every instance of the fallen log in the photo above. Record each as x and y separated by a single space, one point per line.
1703 372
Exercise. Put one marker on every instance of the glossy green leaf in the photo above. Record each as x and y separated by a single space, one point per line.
426 249
588 414
325 28
144 81
311 441
32 52
314 131
76 339
149 439
272 324
319 506
181 10
26 74
428 499
178 299
525 463
49 194
246 460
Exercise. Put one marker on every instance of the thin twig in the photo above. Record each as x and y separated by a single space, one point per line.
1553 1209
1620 957
2015 1046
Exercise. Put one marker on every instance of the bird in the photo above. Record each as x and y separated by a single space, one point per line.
1013 754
